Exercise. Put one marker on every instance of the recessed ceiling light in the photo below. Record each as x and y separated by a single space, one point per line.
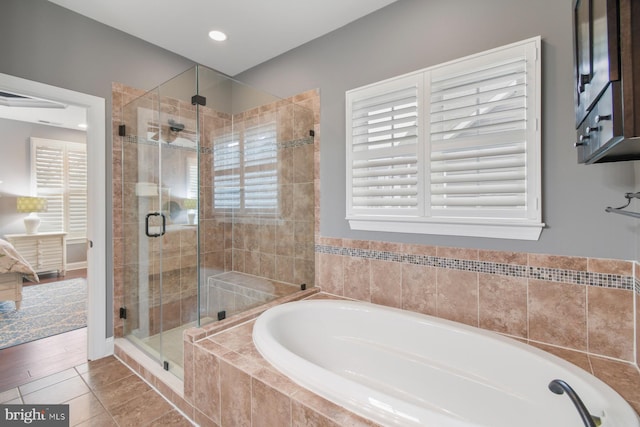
218 36
82 125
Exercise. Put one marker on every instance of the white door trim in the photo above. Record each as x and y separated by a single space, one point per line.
98 345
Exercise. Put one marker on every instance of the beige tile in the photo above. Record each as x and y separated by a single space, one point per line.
105 372
457 253
622 377
557 314
172 419
83 408
102 420
142 410
386 283
610 322
502 257
235 396
330 274
119 392
357 278
556 261
207 387
376 245
269 407
503 304
458 296
309 409
415 249
59 392
419 288
610 266
577 358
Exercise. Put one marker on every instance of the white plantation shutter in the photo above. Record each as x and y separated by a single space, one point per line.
245 168
77 191
260 172
470 168
226 172
479 119
383 172
59 174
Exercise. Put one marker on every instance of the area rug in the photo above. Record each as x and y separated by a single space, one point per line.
46 310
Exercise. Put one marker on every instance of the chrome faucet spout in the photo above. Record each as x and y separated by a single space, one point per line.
560 387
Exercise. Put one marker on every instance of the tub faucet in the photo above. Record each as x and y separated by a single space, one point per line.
559 387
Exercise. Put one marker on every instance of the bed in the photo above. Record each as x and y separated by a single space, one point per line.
13 268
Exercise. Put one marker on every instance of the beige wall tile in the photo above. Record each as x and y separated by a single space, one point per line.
503 304
386 283
357 278
502 257
458 296
331 275
419 288
557 314
457 253
555 261
610 325
610 266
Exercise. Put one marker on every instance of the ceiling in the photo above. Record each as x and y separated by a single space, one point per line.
257 30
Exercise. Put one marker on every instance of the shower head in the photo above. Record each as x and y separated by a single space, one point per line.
175 127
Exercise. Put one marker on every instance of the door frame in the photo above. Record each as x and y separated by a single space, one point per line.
99 344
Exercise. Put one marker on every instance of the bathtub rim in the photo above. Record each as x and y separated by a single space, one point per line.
310 376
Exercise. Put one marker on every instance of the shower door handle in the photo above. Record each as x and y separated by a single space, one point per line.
146 224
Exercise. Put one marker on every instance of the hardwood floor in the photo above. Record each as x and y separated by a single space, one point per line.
24 363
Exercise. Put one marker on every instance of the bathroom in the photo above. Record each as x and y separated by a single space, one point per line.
577 290
408 35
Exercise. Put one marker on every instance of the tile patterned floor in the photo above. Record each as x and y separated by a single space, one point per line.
101 393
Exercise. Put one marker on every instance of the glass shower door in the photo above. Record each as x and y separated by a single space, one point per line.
160 179
142 199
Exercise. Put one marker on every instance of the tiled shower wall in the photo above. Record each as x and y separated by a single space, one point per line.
585 304
281 249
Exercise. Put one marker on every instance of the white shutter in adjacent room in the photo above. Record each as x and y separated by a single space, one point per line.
59 174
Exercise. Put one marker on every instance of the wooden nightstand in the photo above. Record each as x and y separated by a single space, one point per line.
45 252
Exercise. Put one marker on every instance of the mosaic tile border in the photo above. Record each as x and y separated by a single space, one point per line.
540 273
133 139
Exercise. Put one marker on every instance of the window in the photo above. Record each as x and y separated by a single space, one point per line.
59 174
453 149
246 170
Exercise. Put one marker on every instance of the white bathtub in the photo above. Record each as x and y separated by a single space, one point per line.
400 368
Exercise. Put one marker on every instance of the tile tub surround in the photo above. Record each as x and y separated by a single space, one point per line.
583 304
233 385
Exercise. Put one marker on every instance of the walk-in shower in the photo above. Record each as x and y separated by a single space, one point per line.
218 206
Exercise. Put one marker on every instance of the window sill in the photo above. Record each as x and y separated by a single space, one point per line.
506 230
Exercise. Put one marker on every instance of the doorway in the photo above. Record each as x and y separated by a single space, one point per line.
99 337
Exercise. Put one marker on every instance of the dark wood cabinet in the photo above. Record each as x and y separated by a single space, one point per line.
607 80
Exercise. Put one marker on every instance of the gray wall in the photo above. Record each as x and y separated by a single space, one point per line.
413 34
15 172
49 44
